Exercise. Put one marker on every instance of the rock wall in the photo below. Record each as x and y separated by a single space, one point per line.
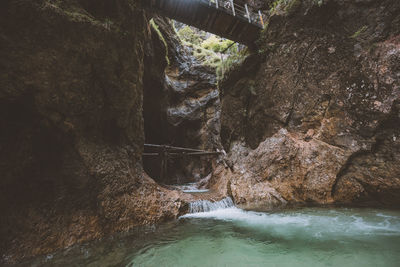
314 116
181 105
71 90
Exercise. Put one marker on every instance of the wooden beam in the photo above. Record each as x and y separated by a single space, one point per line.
173 148
234 27
203 153
150 154
181 154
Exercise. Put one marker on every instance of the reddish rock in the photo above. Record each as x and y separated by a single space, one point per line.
317 108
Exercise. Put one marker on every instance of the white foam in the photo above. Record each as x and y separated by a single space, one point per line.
190 188
206 206
251 217
195 191
302 223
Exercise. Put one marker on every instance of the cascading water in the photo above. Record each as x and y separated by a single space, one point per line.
191 188
224 235
205 205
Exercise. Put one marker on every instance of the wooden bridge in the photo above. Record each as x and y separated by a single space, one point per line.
164 153
225 18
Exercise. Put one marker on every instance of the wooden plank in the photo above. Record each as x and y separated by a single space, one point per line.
174 5
226 23
234 27
242 32
198 16
176 9
207 18
190 10
211 23
163 3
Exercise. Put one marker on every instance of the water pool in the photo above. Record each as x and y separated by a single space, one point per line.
234 237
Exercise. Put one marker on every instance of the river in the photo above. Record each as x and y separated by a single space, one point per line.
228 236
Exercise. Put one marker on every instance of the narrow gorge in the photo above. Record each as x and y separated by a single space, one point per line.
304 124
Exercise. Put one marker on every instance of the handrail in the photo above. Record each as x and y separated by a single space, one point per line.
235 9
177 151
174 148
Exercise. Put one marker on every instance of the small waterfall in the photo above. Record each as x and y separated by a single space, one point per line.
205 205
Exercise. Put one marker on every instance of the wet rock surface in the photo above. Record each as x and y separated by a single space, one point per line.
71 90
181 106
317 108
313 117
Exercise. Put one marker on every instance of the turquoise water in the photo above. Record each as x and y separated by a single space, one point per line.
233 237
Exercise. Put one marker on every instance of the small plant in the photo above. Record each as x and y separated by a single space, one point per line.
216 44
207 57
107 23
233 60
277 4
360 31
155 27
319 2
215 52
292 6
189 35
287 6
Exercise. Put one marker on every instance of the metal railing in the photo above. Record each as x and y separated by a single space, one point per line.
243 11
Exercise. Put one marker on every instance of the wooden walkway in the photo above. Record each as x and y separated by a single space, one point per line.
164 153
225 18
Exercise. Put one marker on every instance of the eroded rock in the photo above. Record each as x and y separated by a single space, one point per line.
317 107
181 106
71 138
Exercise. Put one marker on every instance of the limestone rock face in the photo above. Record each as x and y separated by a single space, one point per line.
181 105
71 139
319 106
285 168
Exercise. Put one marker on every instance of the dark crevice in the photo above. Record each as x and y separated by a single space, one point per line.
380 137
296 94
345 167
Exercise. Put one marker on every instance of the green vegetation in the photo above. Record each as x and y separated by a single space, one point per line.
215 52
278 4
194 40
289 6
108 23
292 6
207 57
187 34
360 31
232 61
216 44
155 27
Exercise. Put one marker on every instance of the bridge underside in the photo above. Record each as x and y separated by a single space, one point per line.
208 18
